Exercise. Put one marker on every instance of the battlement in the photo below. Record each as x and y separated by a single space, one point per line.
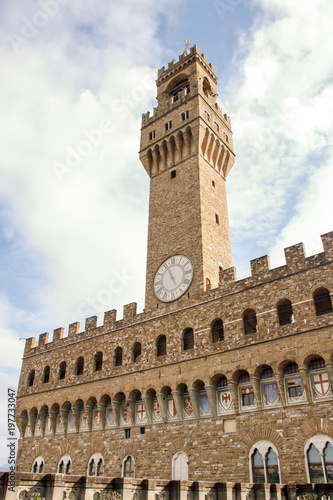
183 59
261 272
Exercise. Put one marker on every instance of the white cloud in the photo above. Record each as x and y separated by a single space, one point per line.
281 110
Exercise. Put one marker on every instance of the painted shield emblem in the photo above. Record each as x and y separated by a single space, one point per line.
271 394
110 416
141 413
321 383
172 408
188 408
157 415
97 418
204 404
84 421
71 423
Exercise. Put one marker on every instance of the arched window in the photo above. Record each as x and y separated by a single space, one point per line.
79 366
38 465
320 383
128 467
208 284
118 357
264 463
46 375
322 301
64 465
180 467
217 330
31 378
285 312
188 339
98 363
319 458
136 352
183 84
95 465
62 370
294 384
161 346
250 321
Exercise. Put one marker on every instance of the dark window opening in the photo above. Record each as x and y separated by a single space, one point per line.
188 339
178 88
173 174
100 468
250 321
46 375
152 135
217 219
129 467
285 312
168 125
31 378
142 430
322 301
161 346
79 366
68 467
217 331
213 183
62 370
185 115
137 352
127 433
118 357
98 361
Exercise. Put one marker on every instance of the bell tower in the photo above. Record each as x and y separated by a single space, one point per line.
187 150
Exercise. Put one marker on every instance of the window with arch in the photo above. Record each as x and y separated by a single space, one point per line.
118 356
249 321
246 394
62 370
128 467
96 465
320 382
293 384
217 330
98 361
79 366
38 465
46 375
322 301
64 465
188 339
136 352
208 284
285 312
318 453
264 463
31 378
180 467
161 346
179 87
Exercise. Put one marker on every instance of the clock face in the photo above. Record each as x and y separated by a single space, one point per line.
173 278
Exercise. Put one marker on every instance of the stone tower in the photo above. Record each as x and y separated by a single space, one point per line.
187 150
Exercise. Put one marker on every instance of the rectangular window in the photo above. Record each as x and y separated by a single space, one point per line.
185 115
207 116
216 126
248 399
152 135
217 220
168 125
173 174
225 137
127 433
142 430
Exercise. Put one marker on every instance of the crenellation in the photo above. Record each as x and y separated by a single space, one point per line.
43 339
110 318
130 311
30 344
327 240
260 268
91 323
73 329
58 334
295 257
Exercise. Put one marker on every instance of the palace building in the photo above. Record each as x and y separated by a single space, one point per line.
221 389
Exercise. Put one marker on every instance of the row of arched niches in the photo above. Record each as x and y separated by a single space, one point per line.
264 389
263 459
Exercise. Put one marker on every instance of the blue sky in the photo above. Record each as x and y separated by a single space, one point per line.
71 68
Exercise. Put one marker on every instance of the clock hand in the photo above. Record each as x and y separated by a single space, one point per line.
172 277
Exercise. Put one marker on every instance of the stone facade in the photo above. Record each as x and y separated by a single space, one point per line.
229 384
